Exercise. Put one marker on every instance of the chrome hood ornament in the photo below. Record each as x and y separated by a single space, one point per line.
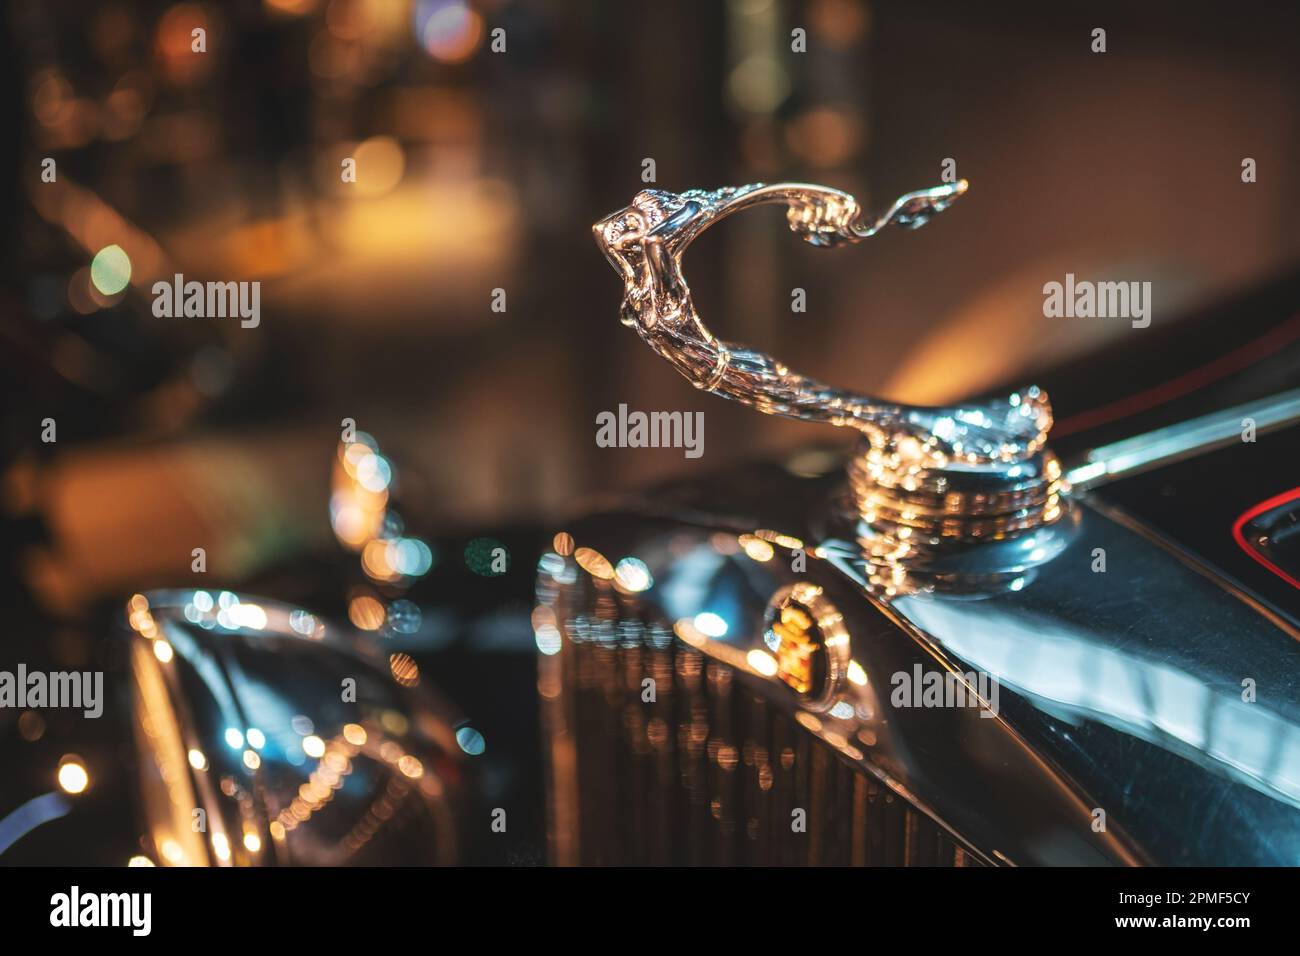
925 478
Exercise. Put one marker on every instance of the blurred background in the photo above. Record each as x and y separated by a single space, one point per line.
482 170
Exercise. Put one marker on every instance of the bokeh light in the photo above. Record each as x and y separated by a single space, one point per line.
471 741
380 164
110 270
448 30
633 574
73 776
710 624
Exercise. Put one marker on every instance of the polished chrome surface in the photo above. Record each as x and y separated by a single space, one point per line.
971 776
268 736
1121 694
1153 449
965 528
711 772
645 242
927 482
1107 696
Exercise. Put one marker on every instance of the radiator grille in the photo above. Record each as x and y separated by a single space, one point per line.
707 773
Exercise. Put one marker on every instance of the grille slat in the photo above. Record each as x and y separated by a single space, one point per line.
708 773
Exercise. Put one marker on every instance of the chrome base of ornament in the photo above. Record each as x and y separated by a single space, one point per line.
923 538
959 529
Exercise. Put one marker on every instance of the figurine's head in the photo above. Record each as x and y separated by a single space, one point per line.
643 243
622 233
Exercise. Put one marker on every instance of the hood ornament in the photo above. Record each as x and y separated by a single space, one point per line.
929 483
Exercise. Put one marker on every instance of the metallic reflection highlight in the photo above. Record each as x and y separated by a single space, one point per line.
1130 704
270 737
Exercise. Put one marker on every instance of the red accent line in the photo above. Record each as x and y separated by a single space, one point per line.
1255 512
1188 382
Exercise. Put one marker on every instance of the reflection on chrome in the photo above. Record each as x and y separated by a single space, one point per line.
268 736
1065 667
603 645
1089 682
1164 445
